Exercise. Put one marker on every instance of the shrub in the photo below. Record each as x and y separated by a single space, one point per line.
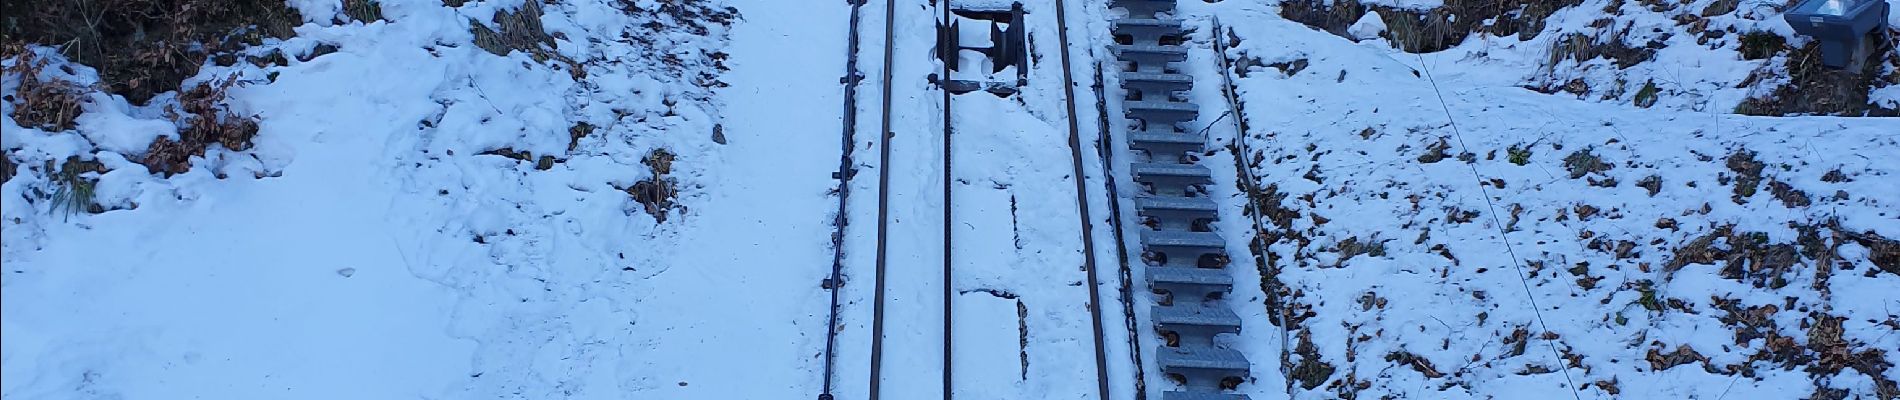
205 121
43 105
74 184
1520 155
144 47
1757 45
1646 97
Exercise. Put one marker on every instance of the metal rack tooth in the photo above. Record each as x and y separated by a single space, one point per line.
1186 259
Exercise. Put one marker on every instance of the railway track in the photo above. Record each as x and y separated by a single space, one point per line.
1185 258
882 269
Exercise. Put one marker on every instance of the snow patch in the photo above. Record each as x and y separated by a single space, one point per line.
1369 27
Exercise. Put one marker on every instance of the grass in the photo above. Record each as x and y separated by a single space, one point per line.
363 10
1583 162
517 30
42 104
1649 299
656 194
1647 96
1520 155
1756 45
1748 174
205 121
75 183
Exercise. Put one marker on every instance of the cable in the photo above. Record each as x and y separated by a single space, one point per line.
1502 233
1272 289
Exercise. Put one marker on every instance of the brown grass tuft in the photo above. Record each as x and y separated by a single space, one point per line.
204 120
44 105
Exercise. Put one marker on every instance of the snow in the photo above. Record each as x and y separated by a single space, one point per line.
1893 18
739 289
1446 290
381 248
373 237
1368 27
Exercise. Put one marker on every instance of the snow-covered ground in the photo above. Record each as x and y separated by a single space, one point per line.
391 246
1402 285
390 254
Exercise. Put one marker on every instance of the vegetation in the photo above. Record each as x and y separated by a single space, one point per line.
143 47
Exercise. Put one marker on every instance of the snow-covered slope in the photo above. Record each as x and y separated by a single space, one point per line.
1503 243
432 220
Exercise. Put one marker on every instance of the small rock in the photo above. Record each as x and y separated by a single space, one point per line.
719 134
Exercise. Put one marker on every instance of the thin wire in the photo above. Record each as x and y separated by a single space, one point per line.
1274 287
1502 233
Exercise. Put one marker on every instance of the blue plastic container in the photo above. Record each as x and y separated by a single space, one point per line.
1849 30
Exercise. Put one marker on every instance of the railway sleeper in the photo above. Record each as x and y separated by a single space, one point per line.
1161 115
1166 147
1150 58
1203 368
1155 86
1202 396
1144 8
1193 324
1148 30
1189 284
1177 213
1184 249
1167 179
